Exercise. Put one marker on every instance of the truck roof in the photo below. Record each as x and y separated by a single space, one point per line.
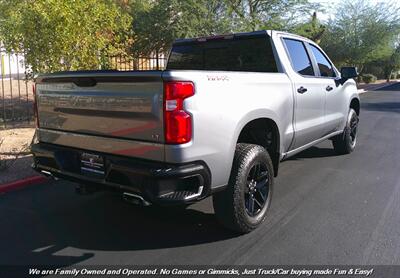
224 36
235 35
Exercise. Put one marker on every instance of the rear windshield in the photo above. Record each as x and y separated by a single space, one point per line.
237 54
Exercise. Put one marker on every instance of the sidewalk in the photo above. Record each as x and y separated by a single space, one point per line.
15 158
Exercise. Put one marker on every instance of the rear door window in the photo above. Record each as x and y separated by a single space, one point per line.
301 62
325 67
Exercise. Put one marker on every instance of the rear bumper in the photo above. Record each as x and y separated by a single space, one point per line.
156 182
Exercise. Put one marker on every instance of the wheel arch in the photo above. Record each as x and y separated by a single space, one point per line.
262 131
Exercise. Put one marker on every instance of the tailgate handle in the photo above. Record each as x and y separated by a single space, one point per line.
84 81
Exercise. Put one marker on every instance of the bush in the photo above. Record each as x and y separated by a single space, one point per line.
64 35
369 78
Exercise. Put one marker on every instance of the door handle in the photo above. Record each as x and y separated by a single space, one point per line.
301 90
329 88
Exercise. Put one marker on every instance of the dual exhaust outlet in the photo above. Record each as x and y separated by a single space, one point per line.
127 196
135 199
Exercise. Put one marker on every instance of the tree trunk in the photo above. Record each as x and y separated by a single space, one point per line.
388 74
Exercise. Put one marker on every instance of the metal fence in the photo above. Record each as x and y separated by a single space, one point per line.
124 63
16 87
16 90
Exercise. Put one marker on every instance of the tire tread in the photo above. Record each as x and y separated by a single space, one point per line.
228 214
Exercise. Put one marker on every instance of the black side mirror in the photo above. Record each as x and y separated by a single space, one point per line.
348 72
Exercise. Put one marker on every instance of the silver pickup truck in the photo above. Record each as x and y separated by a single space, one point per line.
217 121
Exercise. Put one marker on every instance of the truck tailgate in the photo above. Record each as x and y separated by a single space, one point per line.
124 105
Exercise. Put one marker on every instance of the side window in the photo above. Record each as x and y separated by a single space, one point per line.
325 67
253 54
299 57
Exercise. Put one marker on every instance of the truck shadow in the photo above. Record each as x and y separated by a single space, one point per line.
45 222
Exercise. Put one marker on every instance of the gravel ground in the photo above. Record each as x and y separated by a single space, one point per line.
15 159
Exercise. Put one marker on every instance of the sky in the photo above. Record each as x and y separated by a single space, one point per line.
329 5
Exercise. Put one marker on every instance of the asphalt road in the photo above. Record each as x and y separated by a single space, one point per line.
326 209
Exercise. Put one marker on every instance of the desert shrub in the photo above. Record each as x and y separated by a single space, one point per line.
369 78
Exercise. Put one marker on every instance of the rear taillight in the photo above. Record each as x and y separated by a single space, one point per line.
178 122
35 107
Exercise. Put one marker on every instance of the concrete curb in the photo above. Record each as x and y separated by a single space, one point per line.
11 186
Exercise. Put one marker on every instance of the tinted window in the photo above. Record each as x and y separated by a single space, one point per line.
325 68
237 54
299 57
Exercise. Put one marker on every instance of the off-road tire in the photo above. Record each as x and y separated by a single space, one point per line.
230 205
345 142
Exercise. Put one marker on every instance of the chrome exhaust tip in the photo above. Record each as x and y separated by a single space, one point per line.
48 174
135 199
